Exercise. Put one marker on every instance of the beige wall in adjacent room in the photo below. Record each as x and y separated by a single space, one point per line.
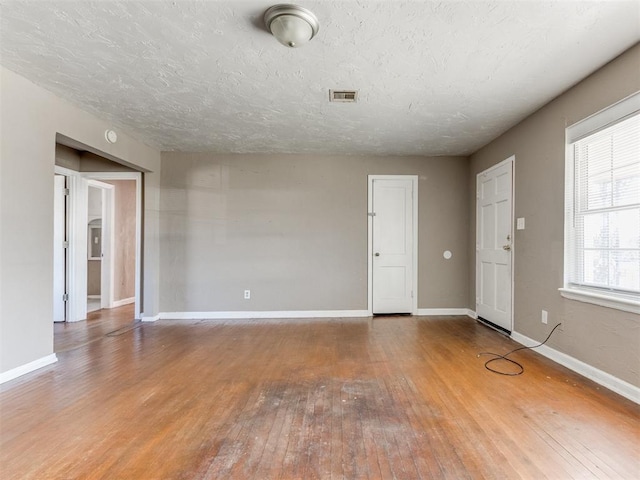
31 119
94 271
124 238
293 230
602 337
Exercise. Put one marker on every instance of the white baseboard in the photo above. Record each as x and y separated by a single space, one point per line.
124 301
144 318
27 368
262 314
446 311
603 378
294 314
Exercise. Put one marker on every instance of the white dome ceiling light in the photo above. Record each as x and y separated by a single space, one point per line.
292 25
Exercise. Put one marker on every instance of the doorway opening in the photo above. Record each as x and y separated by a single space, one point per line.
100 245
100 264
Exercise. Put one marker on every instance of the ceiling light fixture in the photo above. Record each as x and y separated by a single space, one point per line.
292 25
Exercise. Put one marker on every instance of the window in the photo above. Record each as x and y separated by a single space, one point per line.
602 221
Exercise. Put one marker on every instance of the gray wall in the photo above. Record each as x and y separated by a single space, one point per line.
90 162
31 118
602 337
80 161
68 157
293 230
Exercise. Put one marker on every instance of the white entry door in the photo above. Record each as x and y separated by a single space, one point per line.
393 228
59 250
494 239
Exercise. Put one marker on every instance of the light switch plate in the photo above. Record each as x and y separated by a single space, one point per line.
520 223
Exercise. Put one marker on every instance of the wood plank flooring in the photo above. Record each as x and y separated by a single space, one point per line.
381 398
99 323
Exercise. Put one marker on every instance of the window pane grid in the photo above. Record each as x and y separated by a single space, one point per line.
604 233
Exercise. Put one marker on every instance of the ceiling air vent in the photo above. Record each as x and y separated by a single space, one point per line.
349 96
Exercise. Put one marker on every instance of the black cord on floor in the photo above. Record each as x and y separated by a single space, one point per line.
497 357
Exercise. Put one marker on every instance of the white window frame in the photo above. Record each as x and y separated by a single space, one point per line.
598 121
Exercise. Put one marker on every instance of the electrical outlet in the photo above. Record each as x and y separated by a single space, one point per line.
247 294
544 317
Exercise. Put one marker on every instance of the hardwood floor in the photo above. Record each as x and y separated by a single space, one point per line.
98 324
392 397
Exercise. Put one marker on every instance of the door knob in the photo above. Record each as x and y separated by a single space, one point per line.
377 254
506 247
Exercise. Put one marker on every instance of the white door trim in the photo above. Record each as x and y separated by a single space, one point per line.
414 181
512 160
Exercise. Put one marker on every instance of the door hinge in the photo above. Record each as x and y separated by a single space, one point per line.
411 293
65 244
65 192
65 297
371 214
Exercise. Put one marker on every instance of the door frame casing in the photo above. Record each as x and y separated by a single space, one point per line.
414 253
512 160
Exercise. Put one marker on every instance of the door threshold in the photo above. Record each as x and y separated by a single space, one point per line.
492 325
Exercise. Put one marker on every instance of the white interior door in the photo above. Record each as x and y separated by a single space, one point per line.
59 250
393 244
494 236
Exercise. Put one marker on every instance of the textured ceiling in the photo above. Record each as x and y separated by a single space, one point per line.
435 78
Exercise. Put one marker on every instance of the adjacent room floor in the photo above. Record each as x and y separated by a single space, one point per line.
390 397
93 304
